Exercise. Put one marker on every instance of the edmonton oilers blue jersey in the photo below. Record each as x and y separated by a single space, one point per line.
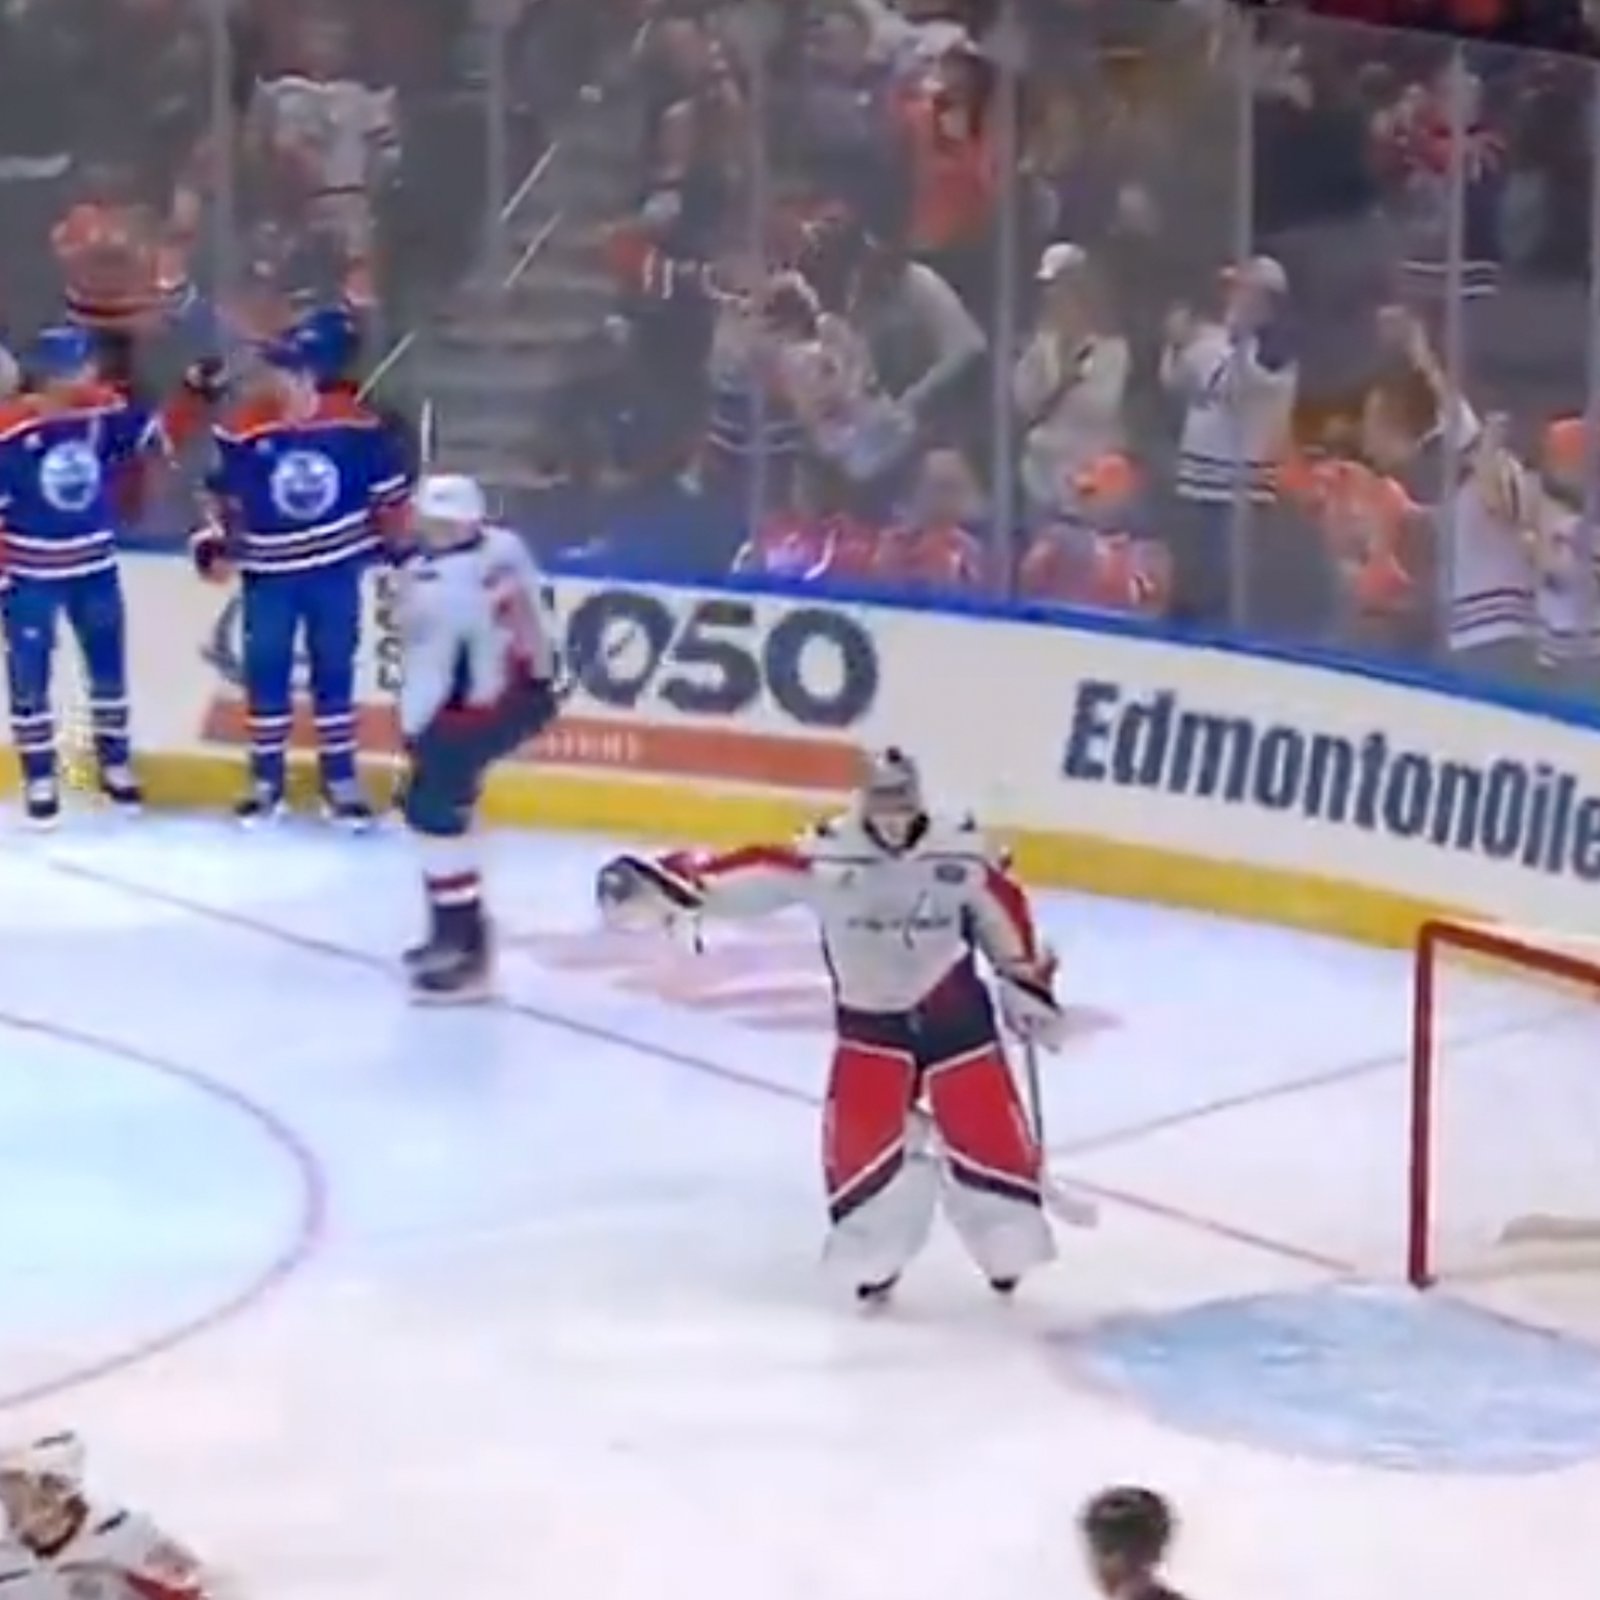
57 463
300 493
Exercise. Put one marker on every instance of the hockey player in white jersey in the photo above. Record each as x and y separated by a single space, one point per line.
57 1544
477 682
905 900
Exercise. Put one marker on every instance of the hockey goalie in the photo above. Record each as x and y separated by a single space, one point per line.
56 1544
921 1104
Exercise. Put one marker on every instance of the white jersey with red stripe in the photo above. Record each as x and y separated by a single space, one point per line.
473 619
112 1555
895 923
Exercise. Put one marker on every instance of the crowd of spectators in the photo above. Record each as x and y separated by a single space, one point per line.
183 175
1119 303
1254 316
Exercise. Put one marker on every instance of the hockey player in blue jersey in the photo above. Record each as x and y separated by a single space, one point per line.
63 442
307 487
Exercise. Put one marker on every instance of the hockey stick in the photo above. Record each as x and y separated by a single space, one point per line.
1545 1228
1064 1204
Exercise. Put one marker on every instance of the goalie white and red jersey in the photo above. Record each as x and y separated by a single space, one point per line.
111 1554
918 1052
896 925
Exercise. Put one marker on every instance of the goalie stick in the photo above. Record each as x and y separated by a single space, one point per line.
1064 1204
1550 1228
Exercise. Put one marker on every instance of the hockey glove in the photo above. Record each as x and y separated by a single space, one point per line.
207 380
635 893
1028 1004
208 549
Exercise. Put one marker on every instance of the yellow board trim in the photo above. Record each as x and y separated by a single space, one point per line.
676 812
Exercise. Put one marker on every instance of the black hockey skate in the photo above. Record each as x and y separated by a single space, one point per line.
121 788
41 802
876 1294
449 975
262 804
344 805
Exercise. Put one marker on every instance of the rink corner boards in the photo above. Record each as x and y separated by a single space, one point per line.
528 797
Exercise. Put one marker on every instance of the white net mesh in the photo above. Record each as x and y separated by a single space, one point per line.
1509 1147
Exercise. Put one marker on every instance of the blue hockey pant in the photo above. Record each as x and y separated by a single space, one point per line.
452 757
323 605
94 611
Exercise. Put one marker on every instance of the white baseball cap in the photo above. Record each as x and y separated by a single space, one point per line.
1060 259
1266 272
451 497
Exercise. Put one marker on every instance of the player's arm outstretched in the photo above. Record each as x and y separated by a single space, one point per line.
639 891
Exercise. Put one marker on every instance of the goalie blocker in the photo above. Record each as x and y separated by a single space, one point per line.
921 1104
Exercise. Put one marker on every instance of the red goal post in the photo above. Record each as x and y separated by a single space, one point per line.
1505 1105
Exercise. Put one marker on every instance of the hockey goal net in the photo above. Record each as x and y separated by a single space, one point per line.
1505 1103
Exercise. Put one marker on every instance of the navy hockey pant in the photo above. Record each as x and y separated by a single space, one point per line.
94 611
325 605
452 757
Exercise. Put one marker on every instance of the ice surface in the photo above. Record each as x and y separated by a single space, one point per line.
526 1300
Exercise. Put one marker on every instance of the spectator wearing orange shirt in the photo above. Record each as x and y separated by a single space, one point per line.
955 183
1094 556
1567 601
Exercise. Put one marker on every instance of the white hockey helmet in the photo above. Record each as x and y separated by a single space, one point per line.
892 785
451 497
55 1458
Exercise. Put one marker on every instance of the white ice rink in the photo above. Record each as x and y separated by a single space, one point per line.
378 1304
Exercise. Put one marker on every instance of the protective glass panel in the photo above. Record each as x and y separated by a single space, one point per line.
860 338
1340 558
1129 471
1516 577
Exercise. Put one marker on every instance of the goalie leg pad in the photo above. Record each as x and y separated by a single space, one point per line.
881 1196
992 1169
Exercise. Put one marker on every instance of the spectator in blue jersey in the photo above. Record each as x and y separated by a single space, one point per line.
307 487
63 440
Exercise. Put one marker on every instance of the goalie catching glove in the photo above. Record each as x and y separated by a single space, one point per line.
635 892
1029 1006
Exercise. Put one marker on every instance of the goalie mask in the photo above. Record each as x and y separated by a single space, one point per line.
41 1486
891 799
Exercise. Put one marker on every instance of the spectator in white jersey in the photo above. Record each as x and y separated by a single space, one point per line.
1070 382
1236 377
1418 428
